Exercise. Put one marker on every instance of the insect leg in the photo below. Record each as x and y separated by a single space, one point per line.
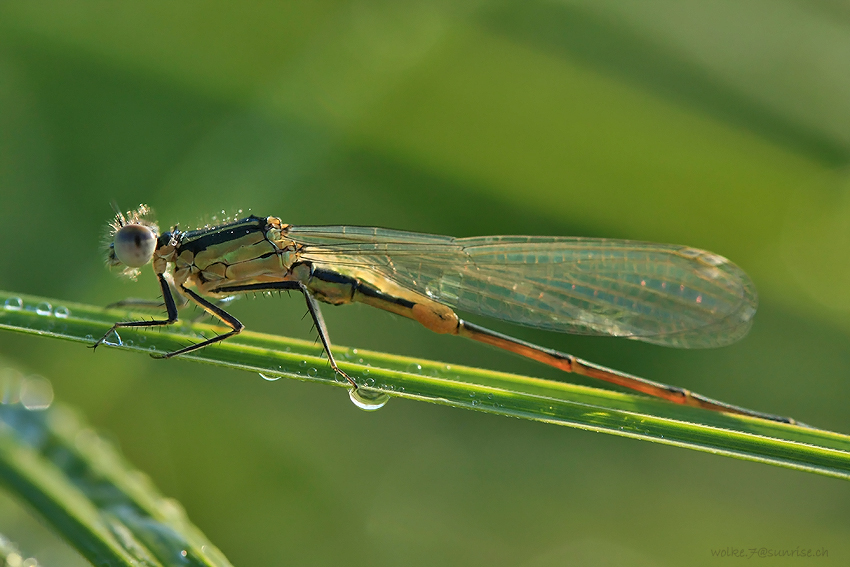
312 307
137 303
316 313
170 307
235 325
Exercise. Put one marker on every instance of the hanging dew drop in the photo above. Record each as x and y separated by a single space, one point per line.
368 400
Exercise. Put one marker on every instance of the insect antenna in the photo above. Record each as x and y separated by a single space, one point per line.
119 216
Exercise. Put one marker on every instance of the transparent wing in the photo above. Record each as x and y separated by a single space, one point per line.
658 293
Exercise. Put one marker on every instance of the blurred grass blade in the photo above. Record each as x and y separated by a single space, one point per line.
560 403
86 491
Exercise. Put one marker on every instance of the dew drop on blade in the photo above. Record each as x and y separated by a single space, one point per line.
269 378
14 304
368 400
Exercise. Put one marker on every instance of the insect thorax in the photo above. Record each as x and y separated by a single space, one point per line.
247 251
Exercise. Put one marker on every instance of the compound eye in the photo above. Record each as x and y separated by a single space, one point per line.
134 245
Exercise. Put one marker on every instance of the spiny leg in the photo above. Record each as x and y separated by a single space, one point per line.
569 363
319 321
138 303
170 307
312 308
235 325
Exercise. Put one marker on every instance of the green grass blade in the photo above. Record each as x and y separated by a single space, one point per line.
560 403
85 490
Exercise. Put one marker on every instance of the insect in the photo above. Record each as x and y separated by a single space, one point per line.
663 294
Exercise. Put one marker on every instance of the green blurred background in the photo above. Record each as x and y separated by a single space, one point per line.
722 125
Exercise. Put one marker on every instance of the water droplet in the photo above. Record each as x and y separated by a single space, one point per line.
475 402
365 372
88 338
302 363
269 378
414 368
368 400
14 304
152 348
288 349
61 312
43 308
36 393
129 343
312 372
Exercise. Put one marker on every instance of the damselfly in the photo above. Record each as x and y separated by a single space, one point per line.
657 293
